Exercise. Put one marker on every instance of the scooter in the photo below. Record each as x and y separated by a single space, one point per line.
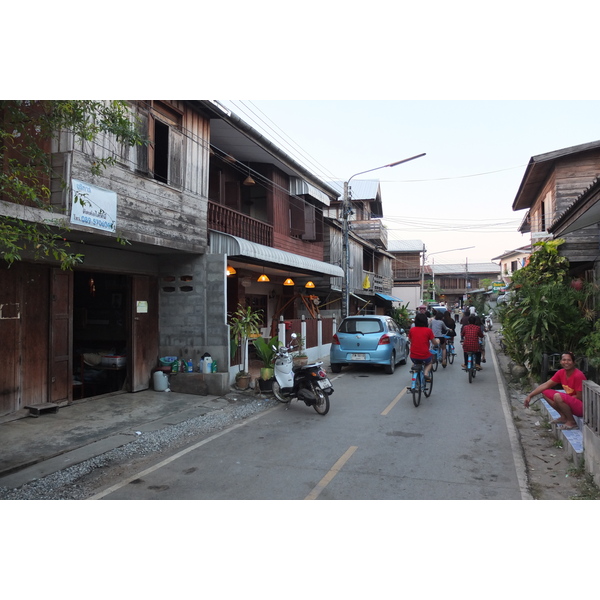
308 383
487 323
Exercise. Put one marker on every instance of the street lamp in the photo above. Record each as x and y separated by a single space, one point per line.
346 212
433 272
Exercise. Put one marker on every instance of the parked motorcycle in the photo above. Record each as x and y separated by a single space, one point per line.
487 323
308 383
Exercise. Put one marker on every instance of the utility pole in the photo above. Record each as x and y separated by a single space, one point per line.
346 212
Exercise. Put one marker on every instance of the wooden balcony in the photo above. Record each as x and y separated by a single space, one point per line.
372 230
221 218
407 274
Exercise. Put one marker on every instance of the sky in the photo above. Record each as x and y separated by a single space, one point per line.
460 194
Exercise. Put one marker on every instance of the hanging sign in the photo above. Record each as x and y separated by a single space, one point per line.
93 206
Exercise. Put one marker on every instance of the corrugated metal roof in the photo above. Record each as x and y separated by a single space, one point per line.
405 246
361 189
461 268
223 243
299 187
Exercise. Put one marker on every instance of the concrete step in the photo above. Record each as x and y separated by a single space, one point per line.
572 440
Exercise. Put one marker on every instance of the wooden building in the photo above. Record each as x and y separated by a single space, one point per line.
551 184
186 211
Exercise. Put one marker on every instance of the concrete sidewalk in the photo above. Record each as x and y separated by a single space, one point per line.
33 447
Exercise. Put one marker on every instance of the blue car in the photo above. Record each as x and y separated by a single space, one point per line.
369 340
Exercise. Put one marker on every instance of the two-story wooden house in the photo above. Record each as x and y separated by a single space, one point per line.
551 184
370 281
187 209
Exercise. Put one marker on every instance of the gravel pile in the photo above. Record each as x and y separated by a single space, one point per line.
70 484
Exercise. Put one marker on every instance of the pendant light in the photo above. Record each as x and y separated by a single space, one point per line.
230 270
310 284
263 278
249 180
288 281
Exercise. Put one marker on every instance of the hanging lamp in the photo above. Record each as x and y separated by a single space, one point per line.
288 281
310 284
263 278
230 270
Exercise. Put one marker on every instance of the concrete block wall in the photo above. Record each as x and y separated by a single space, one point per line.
192 296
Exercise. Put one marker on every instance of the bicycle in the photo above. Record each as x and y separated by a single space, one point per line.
471 368
450 353
436 355
419 384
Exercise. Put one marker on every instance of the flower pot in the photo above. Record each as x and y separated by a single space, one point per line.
300 361
242 382
266 373
265 385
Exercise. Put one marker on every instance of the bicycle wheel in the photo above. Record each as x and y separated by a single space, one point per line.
416 391
450 353
470 370
428 386
434 362
322 403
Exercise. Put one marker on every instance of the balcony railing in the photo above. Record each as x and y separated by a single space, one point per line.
408 274
372 230
221 218
379 283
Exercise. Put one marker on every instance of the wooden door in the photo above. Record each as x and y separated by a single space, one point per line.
60 363
144 331
10 340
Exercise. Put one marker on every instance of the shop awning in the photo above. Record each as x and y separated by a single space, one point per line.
223 243
386 297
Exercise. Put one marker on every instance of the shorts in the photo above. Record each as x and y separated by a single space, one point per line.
421 361
572 402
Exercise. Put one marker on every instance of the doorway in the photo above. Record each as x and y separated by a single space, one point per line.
100 333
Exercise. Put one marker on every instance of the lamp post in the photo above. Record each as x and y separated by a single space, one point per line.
346 212
432 271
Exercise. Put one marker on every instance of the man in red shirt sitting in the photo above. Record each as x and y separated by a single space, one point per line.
567 402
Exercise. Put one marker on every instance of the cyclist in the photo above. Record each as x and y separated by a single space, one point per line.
479 323
451 325
420 336
439 331
470 342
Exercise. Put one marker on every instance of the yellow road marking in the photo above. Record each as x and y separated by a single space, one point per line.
331 474
394 402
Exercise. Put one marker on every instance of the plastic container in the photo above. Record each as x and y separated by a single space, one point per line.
206 362
160 381
189 366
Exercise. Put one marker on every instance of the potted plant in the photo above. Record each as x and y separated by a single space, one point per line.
265 352
244 323
300 357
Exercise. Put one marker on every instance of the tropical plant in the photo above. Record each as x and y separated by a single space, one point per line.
402 316
546 314
243 323
264 350
26 130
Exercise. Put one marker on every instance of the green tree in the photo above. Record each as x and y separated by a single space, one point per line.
27 128
546 314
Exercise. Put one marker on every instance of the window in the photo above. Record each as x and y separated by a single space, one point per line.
163 159
306 222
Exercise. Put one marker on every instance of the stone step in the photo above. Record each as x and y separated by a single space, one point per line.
35 410
572 440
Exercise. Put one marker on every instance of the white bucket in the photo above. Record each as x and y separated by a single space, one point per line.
161 381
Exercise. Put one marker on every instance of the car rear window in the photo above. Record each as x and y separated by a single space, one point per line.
361 326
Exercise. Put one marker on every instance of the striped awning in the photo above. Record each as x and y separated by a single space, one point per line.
223 243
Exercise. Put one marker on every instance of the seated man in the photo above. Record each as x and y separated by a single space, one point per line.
569 402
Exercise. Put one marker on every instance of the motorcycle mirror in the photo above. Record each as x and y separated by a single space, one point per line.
293 336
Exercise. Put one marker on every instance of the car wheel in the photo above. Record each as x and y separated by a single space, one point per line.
335 368
389 369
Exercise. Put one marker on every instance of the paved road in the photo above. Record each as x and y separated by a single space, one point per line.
373 444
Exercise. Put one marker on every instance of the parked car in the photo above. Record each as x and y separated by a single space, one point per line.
438 308
369 340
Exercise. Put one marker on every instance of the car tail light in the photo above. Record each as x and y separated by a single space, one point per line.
384 339
335 339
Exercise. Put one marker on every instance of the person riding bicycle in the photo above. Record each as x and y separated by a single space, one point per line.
420 337
451 325
439 331
470 342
